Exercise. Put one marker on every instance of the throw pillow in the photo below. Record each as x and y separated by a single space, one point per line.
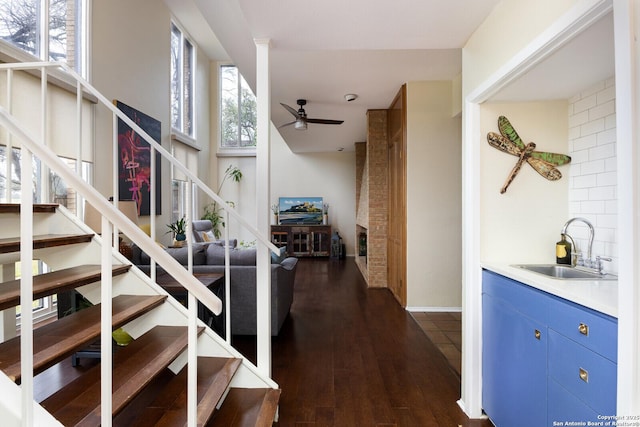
207 236
278 258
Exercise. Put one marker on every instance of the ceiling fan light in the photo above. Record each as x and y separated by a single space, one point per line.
300 125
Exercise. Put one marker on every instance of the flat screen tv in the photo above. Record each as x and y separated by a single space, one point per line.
300 210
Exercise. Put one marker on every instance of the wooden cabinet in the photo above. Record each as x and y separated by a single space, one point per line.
303 240
544 359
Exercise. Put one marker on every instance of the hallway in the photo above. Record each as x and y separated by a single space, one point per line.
348 356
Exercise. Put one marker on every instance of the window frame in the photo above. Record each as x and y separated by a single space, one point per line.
10 52
235 151
180 133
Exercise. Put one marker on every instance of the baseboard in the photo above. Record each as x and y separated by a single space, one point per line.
435 309
481 416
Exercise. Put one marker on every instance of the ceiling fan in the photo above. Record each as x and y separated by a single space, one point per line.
300 123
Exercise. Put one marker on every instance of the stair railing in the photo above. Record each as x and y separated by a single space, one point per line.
112 221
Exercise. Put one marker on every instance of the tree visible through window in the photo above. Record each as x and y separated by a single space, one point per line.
237 110
182 63
20 25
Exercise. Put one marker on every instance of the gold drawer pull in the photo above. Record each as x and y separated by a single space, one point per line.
537 334
584 375
583 329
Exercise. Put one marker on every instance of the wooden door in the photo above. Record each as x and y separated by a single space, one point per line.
397 224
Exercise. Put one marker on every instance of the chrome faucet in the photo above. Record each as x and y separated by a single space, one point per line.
591 233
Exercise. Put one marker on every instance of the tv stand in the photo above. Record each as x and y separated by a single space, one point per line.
303 240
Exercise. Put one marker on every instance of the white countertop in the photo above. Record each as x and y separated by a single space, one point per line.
599 295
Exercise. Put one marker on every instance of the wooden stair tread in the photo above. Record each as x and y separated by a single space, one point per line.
50 283
164 402
37 207
55 341
244 407
134 366
12 244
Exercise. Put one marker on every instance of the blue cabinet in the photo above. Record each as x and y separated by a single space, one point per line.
544 359
513 366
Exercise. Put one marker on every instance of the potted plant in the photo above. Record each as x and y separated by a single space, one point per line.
179 228
211 211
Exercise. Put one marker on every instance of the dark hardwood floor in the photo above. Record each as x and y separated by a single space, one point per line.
346 356
351 356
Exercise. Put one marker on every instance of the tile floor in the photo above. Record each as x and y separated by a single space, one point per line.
445 331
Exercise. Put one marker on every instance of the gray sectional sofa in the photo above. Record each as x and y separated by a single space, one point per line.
208 257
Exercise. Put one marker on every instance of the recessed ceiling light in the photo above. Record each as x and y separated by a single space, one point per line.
351 97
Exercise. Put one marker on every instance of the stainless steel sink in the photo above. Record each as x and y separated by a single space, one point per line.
567 272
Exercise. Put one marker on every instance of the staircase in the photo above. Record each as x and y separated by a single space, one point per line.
149 376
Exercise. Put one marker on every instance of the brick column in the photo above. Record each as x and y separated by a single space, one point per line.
372 198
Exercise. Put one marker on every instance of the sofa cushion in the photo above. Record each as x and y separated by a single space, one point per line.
182 254
215 256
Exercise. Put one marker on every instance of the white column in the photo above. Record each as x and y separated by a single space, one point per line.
626 14
263 194
471 384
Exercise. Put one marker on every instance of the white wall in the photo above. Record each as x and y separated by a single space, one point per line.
510 27
593 181
130 62
327 175
331 176
498 49
61 135
433 198
523 224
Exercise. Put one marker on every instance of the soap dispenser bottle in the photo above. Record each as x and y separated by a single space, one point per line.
563 251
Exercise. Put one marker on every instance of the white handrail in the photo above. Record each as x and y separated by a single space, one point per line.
114 219
106 103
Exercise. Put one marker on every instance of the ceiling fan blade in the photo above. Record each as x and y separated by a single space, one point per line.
291 110
325 121
287 124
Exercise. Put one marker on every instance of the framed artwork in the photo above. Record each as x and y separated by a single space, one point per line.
134 167
300 210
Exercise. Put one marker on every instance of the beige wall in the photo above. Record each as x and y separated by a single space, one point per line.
331 176
131 38
523 224
510 27
130 62
62 130
433 197
327 175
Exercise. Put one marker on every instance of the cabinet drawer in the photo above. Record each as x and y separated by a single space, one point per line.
524 299
586 374
564 406
593 330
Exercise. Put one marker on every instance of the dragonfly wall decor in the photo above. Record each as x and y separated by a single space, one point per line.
508 141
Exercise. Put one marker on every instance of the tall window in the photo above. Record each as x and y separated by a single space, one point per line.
10 176
23 21
59 192
237 110
182 66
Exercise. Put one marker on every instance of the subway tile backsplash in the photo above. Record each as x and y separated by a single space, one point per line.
592 175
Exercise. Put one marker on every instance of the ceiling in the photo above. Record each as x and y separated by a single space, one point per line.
321 51
584 60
